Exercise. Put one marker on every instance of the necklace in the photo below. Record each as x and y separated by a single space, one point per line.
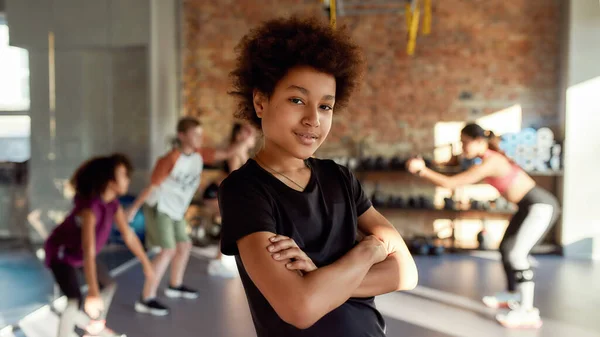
281 174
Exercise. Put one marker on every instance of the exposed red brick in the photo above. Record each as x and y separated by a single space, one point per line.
502 52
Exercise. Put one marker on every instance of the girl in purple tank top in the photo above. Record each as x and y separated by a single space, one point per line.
72 247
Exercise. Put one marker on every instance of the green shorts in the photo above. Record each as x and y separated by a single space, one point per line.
162 231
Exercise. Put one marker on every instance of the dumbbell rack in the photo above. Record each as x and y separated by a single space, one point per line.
375 176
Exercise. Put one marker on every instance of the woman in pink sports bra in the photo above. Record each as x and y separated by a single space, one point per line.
538 211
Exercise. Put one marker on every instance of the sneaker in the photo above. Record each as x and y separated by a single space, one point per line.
181 291
501 300
97 328
520 319
152 307
218 268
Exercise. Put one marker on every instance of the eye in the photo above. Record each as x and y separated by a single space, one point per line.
326 107
297 101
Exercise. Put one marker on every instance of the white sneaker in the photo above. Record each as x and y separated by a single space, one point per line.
521 319
218 268
501 299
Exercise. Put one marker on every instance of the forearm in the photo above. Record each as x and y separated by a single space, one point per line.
393 274
89 269
141 199
324 294
437 178
135 246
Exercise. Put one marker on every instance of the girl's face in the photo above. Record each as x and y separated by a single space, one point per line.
121 183
297 117
472 147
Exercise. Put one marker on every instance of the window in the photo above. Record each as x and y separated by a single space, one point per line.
14 67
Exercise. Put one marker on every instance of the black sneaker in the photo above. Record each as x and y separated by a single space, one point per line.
152 307
181 291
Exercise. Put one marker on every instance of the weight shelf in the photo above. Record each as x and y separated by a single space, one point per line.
462 214
391 174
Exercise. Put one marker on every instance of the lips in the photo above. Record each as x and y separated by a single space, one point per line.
307 135
306 138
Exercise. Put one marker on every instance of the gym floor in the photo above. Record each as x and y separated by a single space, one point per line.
446 302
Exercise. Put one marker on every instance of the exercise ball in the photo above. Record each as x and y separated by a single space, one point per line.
138 224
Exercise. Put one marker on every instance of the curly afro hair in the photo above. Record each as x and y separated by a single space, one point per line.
267 53
91 179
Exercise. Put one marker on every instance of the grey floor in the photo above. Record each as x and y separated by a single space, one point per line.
446 303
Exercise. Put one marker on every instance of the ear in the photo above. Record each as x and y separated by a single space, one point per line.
259 100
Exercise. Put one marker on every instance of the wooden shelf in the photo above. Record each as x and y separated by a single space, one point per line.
452 214
392 174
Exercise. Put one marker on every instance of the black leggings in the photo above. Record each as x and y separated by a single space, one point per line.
67 277
538 211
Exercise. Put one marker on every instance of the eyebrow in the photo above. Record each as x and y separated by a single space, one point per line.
306 92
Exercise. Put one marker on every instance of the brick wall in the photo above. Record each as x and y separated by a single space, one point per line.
481 57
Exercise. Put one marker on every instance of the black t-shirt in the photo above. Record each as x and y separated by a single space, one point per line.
322 220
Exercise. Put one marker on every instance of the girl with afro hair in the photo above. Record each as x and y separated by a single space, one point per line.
293 221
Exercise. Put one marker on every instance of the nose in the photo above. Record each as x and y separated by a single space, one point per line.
311 117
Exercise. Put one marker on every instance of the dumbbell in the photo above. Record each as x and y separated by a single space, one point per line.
437 250
414 202
449 204
426 203
397 164
378 200
396 202
381 164
367 164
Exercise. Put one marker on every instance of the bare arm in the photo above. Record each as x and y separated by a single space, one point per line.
142 197
398 271
213 155
473 175
303 300
132 241
88 238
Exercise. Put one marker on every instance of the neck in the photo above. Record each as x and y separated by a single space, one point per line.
187 149
108 196
278 159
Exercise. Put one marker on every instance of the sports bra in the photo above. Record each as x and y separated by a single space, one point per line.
502 183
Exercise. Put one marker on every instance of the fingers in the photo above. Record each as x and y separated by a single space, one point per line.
290 253
302 265
278 238
280 243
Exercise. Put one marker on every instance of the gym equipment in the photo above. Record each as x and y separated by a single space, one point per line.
419 245
556 150
367 164
138 224
396 202
381 164
484 240
426 202
437 250
378 200
398 164
414 202
555 163
449 204
545 137
528 137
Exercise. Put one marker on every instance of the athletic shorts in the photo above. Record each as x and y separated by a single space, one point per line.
69 278
162 231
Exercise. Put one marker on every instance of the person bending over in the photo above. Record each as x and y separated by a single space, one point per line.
538 211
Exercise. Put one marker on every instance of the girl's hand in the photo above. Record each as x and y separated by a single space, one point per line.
415 165
93 306
283 248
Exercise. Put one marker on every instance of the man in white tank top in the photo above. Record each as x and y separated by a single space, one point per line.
174 182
